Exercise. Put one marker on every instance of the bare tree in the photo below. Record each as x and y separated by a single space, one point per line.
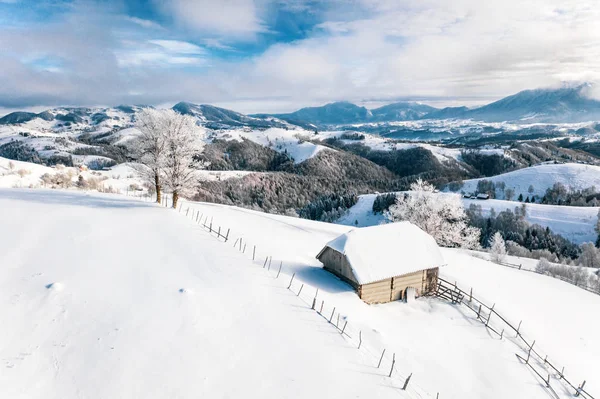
184 142
149 148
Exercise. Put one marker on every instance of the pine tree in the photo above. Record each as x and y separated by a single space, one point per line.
520 197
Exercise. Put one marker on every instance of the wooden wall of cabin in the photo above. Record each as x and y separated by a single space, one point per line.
337 264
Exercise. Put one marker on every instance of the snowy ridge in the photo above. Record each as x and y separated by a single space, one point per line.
542 177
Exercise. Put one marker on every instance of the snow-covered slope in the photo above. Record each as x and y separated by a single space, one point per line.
107 297
542 177
444 346
111 297
292 142
575 223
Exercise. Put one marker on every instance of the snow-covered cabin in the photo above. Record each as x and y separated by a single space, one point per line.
381 262
483 196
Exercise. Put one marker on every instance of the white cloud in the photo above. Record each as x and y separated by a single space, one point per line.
237 19
144 23
159 53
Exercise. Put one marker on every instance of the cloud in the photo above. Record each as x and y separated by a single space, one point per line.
160 53
378 50
234 19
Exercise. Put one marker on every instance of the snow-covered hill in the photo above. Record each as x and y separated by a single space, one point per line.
542 177
114 297
574 223
475 364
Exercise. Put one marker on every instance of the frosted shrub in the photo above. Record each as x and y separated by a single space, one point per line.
23 172
543 266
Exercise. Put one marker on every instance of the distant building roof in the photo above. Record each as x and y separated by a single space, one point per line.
380 252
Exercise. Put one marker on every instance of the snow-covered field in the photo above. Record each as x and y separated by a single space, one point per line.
107 297
541 177
446 349
17 174
111 297
575 223
292 142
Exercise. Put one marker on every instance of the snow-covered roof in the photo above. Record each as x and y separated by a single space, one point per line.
394 249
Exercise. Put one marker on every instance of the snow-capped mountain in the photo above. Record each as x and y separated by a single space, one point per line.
569 104
219 118
334 113
564 105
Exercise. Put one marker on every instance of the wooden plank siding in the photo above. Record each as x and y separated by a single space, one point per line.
382 291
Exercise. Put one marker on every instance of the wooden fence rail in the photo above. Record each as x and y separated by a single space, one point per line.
445 285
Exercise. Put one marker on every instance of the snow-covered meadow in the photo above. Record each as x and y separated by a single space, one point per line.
542 177
575 223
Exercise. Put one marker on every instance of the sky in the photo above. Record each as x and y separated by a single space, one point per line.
280 55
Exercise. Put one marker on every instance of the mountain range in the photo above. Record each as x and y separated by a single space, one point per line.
563 105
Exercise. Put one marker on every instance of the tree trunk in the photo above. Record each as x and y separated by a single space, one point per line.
157 187
175 198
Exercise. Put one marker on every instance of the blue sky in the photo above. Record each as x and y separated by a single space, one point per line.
278 55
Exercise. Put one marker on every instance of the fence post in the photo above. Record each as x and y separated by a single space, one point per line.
322 303
240 243
548 381
235 243
270 259
315 299
187 212
359 339
302 286
518 328
332 312
253 250
490 316
227 236
406 382
502 333
292 279
197 214
265 264
219 233
381 358
244 251
471 295
580 389
337 323
279 271
210 228
345 324
479 311
393 363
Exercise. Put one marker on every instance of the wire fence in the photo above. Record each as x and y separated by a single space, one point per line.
385 361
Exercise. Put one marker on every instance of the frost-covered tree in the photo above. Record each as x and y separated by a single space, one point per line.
183 144
149 148
440 215
509 193
590 256
497 248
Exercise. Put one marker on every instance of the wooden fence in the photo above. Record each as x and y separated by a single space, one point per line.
451 291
